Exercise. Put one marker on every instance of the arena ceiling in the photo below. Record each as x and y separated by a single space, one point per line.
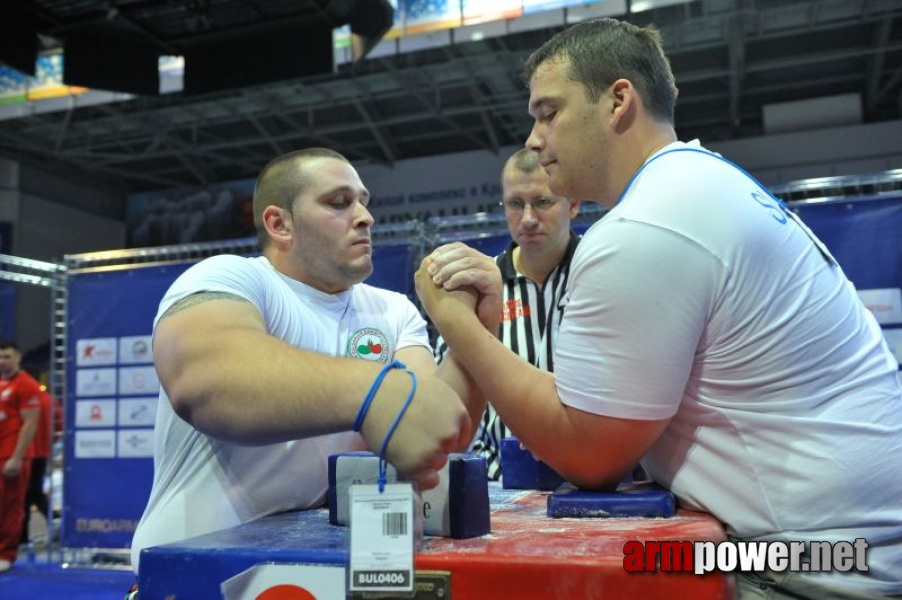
732 58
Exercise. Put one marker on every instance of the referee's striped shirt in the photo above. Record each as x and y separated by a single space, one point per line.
530 319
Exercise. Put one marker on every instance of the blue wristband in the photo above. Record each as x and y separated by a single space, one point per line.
391 430
365 407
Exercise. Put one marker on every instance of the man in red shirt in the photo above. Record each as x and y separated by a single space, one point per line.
50 424
20 409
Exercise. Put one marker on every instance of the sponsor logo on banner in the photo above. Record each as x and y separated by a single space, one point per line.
135 349
369 344
138 380
886 304
95 444
135 443
95 352
105 525
287 582
95 413
137 412
95 382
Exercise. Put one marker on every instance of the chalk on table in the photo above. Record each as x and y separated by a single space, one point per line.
630 500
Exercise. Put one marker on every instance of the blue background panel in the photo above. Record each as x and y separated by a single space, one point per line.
864 235
104 497
393 268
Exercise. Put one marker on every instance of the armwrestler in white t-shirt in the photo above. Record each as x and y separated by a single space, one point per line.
264 363
707 332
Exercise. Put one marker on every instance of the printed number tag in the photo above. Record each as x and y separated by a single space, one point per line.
381 538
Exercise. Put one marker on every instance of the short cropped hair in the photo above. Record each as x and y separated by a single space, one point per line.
525 160
9 345
601 51
281 181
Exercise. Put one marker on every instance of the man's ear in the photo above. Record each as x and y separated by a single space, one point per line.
575 205
625 103
277 223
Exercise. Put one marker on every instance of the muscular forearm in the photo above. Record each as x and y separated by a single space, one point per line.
246 387
590 450
230 379
519 392
452 373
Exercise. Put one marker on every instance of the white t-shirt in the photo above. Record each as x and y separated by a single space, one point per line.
698 298
202 484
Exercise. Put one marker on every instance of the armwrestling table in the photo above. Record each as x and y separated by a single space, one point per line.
526 556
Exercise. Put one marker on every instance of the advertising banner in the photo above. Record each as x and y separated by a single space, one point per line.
111 405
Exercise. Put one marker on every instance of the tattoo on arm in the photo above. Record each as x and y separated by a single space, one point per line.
200 298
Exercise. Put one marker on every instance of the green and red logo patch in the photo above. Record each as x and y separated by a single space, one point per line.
369 344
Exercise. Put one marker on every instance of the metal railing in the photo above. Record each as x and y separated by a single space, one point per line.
840 188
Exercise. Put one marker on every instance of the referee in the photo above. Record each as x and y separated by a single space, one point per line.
535 268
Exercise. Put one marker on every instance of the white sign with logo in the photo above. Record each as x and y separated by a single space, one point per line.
95 444
287 581
95 352
95 413
137 412
135 349
138 380
886 304
95 382
135 443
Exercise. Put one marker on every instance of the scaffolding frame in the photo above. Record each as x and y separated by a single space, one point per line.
49 275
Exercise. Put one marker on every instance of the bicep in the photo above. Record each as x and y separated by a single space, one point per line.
630 333
194 325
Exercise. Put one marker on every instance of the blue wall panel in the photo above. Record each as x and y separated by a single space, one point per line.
108 468
865 237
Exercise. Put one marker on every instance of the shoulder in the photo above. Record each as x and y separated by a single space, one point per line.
225 263
27 389
223 269
246 278
505 262
686 173
28 382
683 191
